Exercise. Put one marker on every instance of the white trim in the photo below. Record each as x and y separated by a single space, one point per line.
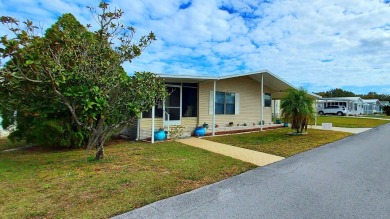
205 77
211 101
262 103
138 128
153 111
174 122
316 114
237 104
214 91
186 76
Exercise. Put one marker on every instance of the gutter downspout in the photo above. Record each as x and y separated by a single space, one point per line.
262 103
214 89
274 109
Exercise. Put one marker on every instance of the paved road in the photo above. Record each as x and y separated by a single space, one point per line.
346 179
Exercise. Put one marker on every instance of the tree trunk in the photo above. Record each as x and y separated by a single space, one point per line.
99 151
100 146
97 139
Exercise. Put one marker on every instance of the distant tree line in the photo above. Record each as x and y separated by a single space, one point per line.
338 92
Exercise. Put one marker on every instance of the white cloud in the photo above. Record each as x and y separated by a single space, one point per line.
320 44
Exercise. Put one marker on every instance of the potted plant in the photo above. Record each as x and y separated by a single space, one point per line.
160 135
200 131
205 125
231 123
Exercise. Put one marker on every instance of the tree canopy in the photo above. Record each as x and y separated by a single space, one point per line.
337 92
77 72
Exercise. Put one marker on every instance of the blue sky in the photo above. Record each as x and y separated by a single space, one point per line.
318 44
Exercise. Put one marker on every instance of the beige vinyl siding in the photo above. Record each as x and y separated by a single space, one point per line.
249 91
189 123
249 103
146 126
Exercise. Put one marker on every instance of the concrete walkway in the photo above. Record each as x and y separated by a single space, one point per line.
255 157
341 129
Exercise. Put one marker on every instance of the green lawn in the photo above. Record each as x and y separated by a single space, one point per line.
37 183
277 141
382 116
7 144
350 122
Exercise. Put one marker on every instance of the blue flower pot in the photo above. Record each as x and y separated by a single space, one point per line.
160 135
200 131
285 125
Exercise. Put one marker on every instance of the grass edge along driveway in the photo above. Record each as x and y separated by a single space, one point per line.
350 122
37 183
277 142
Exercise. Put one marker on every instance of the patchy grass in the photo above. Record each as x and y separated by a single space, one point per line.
351 122
5 144
37 183
277 141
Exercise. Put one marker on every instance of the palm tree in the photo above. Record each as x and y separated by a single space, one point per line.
297 108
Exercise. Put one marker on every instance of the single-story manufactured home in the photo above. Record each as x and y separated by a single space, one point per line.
354 105
372 106
219 101
385 103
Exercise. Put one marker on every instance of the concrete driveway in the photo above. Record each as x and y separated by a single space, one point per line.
346 179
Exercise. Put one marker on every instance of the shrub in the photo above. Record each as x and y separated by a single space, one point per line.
48 132
386 109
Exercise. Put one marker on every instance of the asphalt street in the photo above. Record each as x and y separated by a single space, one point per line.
349 178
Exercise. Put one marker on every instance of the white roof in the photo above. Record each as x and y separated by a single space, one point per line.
384 103
343 99
270 80
376 101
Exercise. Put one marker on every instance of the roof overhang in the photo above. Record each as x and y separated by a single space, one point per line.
372 101
186 78
278 85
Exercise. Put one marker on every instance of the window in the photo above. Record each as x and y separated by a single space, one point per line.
267 100
220 102
230 103
225 103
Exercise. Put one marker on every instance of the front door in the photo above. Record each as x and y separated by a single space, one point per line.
172 106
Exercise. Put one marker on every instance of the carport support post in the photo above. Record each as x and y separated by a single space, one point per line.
316 113
214 88
262 103
139 128
153 109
